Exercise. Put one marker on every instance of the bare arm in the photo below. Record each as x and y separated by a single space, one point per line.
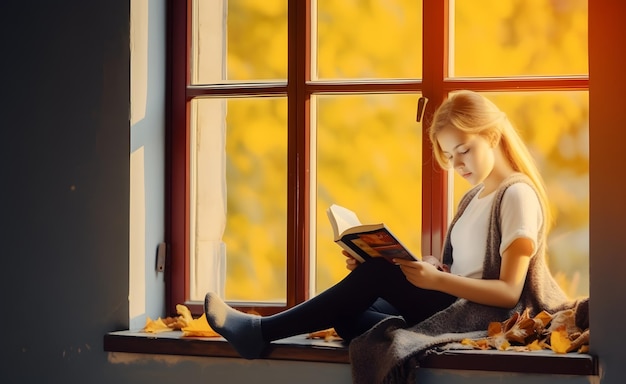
504 292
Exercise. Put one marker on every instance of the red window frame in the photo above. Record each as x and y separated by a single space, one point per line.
434 85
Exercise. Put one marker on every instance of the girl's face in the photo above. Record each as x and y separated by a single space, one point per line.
472 156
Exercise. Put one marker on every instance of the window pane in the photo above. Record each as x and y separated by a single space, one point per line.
519 37
368 39
239 202
239 40
369 152
555 126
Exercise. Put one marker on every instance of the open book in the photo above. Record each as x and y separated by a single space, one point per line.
364 241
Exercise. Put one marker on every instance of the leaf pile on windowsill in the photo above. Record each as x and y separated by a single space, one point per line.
184 322
520 332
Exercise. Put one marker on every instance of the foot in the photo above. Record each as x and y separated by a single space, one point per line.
241 330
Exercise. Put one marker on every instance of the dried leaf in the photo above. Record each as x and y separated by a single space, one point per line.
327 335
155 326
543 317
523 331
174 323
525 315
185 314
565 318
501 343
509 323
199 328
581 341
477 344
559 340
535 346
484 344
494 329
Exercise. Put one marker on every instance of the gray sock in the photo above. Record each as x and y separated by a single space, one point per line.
242 331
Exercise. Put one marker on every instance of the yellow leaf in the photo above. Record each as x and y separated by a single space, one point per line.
559 340
155 326
482 344
503 345
477 344
199 328
184 313
329 334
544 317
535 346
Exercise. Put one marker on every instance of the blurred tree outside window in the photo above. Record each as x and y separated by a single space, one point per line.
365 39
369 162
519 38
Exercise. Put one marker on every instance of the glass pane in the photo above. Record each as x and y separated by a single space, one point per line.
239 195
239 40
369 154
368 39
555 126
519 37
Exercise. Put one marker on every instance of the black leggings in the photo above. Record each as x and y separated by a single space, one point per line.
373 291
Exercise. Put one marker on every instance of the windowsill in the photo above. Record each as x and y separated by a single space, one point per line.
299 348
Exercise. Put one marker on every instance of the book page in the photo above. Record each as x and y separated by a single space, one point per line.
341 219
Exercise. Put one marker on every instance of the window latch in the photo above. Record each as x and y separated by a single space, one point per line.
161 254
421 104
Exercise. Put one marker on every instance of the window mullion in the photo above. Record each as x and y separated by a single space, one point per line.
435 71
177 221
298 183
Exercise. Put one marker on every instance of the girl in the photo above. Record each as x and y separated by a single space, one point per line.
494 252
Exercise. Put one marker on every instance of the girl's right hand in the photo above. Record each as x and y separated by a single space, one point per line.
351 262
435 261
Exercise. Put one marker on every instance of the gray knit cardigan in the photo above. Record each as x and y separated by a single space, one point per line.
390 352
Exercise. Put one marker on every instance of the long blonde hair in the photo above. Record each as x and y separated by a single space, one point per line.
473 113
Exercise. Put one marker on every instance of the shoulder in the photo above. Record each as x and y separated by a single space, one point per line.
517 185
517 193
520 192
520 206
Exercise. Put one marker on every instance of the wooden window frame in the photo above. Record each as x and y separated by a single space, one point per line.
434 85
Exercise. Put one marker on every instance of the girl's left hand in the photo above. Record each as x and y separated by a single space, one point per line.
421 274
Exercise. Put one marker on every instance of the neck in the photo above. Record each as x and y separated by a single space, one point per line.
501 170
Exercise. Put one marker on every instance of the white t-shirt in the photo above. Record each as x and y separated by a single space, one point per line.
521 217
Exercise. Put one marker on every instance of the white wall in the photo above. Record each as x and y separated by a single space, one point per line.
147 159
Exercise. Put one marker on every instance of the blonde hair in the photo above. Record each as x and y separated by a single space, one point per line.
473 113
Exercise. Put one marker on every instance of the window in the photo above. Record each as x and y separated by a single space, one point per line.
280 108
